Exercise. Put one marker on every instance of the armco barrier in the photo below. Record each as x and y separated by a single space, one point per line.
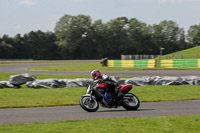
132 63
180 63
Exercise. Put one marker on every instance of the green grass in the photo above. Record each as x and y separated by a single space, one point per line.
48 62
171 124
99 67
29 97
6 76
191 53
167 93
88 67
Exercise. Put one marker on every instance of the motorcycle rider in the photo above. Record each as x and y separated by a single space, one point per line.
111 84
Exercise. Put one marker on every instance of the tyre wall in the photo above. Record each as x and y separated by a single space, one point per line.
132 63
170 63
180 63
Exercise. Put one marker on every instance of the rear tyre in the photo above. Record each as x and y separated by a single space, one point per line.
88 104
131 102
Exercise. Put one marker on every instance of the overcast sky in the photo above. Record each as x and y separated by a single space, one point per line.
23 16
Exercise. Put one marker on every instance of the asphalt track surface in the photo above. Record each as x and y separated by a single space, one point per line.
63 113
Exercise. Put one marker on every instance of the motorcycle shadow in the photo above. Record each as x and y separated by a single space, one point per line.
123 110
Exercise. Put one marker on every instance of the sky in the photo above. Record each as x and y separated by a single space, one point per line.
23 16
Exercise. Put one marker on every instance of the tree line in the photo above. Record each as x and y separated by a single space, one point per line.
78 37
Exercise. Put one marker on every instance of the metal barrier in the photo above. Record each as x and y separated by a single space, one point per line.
163 57
138 57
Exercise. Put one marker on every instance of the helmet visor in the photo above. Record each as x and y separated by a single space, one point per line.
96 75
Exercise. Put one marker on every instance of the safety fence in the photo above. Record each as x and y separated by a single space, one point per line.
138 57
180 63
163 57
132 63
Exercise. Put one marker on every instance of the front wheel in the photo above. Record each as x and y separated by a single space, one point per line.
88 104
131 102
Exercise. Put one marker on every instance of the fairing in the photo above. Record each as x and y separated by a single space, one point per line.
102 85
125 88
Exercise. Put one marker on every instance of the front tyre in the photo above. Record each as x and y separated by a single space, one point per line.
131 102
88 104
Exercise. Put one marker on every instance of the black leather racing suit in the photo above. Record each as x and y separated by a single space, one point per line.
111 84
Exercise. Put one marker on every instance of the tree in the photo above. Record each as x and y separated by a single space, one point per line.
140 38
19 48
193 35
72 33
99 40
78 37
168 35
50 48
41 45
117 37
6 48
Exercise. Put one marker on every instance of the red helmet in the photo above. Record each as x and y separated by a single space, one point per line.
96 74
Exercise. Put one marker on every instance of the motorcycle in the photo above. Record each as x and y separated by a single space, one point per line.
100 95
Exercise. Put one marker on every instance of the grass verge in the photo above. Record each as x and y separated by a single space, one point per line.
29 97
6 76
91 67
171 124
47 62
191 53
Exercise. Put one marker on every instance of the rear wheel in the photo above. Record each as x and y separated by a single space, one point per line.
131 102
88 104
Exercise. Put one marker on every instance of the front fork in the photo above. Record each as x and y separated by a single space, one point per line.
91 97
